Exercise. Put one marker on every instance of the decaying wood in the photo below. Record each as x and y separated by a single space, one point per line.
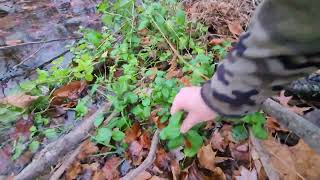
53 151
148 161
295 123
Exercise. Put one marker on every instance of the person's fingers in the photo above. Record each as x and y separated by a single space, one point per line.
177 104
188 123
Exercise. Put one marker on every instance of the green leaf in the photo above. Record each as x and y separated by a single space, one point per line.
51 134
103 135
81 107
176 142
259 132
34 146
107 19
28 85
98 120
93 37
88 77
146 102
180 17
117 135
196 142
143 24
239 132
132 97
18 149
254 118
175 119
169 133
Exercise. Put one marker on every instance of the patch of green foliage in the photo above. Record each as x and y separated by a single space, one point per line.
136 38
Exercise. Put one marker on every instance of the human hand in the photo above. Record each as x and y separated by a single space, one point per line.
189 99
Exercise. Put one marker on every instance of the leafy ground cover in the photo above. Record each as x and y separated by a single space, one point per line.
145 52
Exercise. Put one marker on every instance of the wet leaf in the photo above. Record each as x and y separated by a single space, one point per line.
110 168
206 157
135 152
18 100
71 91
162 159
235 27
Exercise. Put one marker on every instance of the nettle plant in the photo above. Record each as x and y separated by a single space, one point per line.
138 44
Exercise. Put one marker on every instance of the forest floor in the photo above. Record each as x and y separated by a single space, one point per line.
106 114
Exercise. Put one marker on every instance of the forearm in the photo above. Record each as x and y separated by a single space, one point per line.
281 45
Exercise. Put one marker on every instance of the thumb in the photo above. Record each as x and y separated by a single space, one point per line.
189 122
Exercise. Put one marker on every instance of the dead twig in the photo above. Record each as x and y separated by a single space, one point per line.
37 42
67 163
264 158
306 130
148 161
53 151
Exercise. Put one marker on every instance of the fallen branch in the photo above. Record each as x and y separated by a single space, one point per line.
53 151
264 158
295 123
37 42
148 161
67 163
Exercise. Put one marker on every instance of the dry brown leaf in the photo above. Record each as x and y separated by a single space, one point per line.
240 152
206 157
284 100
280 159
71 90
135 152
132 133
217 141
175 169
216 41
73 171
247 175
145 140
156 119
98 175
110 168
162 160
235 27
18 100
87 148
143 176
185 81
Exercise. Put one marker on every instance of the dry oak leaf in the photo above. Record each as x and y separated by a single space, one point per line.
206 157
110 168
18 100
235 27
87 148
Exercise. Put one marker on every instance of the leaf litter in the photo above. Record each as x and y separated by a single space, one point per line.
220 157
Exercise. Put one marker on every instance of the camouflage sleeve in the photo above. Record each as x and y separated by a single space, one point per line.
282 44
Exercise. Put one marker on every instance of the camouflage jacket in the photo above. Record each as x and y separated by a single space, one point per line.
282 43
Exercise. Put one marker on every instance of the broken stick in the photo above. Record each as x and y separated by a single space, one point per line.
53 151
148 161
306 130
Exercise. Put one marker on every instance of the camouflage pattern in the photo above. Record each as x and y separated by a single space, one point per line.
282 44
